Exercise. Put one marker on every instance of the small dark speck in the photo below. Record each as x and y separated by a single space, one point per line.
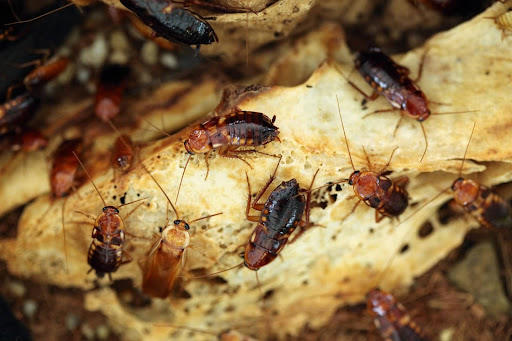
371 230
487 73
404 248
364 101
364 108
138 194
309 86
115 186
338 187
278 34
114 197
158 157
123 199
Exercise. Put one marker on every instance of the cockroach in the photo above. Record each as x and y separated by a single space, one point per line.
110 91
123 153
173 22
44 72
16 111
388 198
504 23
64 168
106 252
487 207
229 132
164 262
280 215
392 81
391 318
30 140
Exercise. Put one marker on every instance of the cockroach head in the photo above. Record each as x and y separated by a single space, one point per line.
110 209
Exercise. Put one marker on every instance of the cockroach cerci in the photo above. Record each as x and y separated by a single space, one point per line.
106 252
173 22
388 198
392 81
391 318
164 262
110 91
229 132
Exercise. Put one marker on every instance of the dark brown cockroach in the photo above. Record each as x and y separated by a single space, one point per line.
280 215
388 198
504 23
164 262
229 132
17 111
392 81
391 318
106 252
173 22
64 168
110 91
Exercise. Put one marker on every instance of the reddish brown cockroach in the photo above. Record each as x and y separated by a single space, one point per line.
44 72
164 262
64 168
391 318
488 208
388 198
229 132
106 252
392 81
110 91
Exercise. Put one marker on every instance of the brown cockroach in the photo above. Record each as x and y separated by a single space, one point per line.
164 262
487 207
111 86
229 132
388 198
44 72
64 168
391 318
123 153
106 252
504 23
16 111
392 81
27 141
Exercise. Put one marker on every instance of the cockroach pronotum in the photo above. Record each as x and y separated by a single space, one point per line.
106 252
388 198
173 22
110 91
392 81
504 23
165 260
229 132
391 318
